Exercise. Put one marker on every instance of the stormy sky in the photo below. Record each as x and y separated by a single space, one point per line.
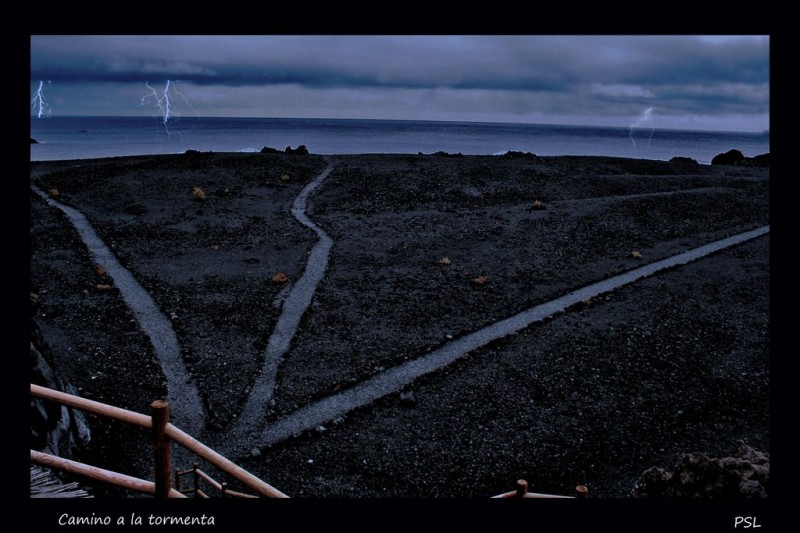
692 82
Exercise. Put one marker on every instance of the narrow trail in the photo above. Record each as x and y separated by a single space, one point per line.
583 206
294 306
184 399
392 380
640 195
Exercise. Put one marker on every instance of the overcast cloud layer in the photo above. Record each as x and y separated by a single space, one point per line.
689 82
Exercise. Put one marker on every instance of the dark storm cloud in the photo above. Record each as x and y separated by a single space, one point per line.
604 79
481 62
405 62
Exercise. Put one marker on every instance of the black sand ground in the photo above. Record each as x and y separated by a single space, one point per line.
672 364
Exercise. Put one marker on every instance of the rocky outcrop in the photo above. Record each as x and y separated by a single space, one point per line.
514 154
761 160
731 157
55 429
735 157
34 141
686 160
746 474
270 150
300 150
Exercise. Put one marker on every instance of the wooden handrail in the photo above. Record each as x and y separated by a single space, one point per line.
514 494
237 494
214 483
100 474
109 411
174 433
198 475
522 492
223 463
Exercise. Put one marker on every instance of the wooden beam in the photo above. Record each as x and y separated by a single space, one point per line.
237 494
100 474
210 479
223 463
185 440
91 406
162 451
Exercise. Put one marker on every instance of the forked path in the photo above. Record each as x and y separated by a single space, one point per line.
396 378
293 309
184 399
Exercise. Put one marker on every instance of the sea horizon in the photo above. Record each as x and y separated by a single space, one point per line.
493 122
97 136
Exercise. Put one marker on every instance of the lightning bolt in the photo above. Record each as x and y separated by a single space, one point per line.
645 118
39 102
162 100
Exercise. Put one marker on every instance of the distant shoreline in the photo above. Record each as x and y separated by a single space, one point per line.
92 137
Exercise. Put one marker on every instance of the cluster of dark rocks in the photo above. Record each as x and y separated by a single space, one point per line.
300 150
735 157
514 154
442 153
511 154
745 474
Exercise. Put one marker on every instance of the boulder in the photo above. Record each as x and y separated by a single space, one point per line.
34 141
761 160
268 150
731 157
687 160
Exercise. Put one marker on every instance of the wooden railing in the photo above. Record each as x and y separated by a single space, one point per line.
581 491
164 433
197 477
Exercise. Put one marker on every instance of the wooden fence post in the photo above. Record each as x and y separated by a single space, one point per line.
195 468
162 450
522 488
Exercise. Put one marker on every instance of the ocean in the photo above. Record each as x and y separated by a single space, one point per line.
61 138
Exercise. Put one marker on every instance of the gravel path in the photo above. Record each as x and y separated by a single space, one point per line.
186 408
394 379
294 306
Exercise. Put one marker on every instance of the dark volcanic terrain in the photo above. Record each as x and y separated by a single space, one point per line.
426 249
